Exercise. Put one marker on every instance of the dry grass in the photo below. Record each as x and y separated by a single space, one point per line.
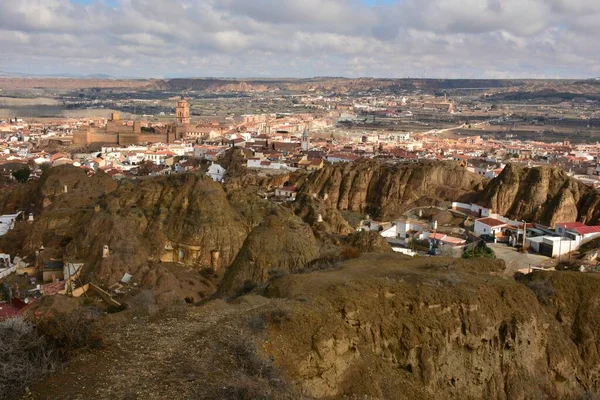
25 356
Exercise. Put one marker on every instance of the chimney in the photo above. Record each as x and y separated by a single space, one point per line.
214 260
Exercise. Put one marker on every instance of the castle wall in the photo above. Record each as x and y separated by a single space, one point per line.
81 137
103 138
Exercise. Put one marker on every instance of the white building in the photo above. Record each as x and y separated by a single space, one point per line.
489 226
472 208
158 157
216 172
289 192
401 136
403 230
7 222
262 163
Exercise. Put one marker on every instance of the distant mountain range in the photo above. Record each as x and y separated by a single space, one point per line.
65 75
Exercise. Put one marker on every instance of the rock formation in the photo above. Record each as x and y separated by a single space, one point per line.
281 243
387 327
381 326
543 194
386 191
368 242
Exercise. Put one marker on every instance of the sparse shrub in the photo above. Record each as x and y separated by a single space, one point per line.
171 307
278 316
248 286
257 323
250 361
25 356
348 253
72 331
320 264
543 289
590 396
144 303
449 280
331 260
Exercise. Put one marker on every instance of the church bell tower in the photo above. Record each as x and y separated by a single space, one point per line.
182 113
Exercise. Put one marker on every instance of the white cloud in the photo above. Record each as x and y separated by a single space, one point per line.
438 38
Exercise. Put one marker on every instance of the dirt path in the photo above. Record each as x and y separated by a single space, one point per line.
162 358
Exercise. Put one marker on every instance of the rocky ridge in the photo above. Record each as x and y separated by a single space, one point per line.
544 194
386 191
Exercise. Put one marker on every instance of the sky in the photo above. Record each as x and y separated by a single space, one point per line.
302 38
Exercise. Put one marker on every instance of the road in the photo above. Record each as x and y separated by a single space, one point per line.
516 260
438 131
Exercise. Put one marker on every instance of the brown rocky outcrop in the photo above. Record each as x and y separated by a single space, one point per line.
281 243
382 326
368 242
387 190
387 327
179 218
543 194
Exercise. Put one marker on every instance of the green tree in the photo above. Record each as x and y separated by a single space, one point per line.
22 175
481 250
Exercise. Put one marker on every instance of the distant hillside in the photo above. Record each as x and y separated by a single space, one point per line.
224 85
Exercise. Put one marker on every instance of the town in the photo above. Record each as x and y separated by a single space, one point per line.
299 200
480 136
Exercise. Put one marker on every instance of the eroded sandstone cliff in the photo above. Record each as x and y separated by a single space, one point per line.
386 191
542 194
388 327
282 243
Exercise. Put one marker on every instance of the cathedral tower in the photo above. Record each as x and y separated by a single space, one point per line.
182 113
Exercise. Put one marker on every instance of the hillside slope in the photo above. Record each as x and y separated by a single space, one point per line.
380 326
